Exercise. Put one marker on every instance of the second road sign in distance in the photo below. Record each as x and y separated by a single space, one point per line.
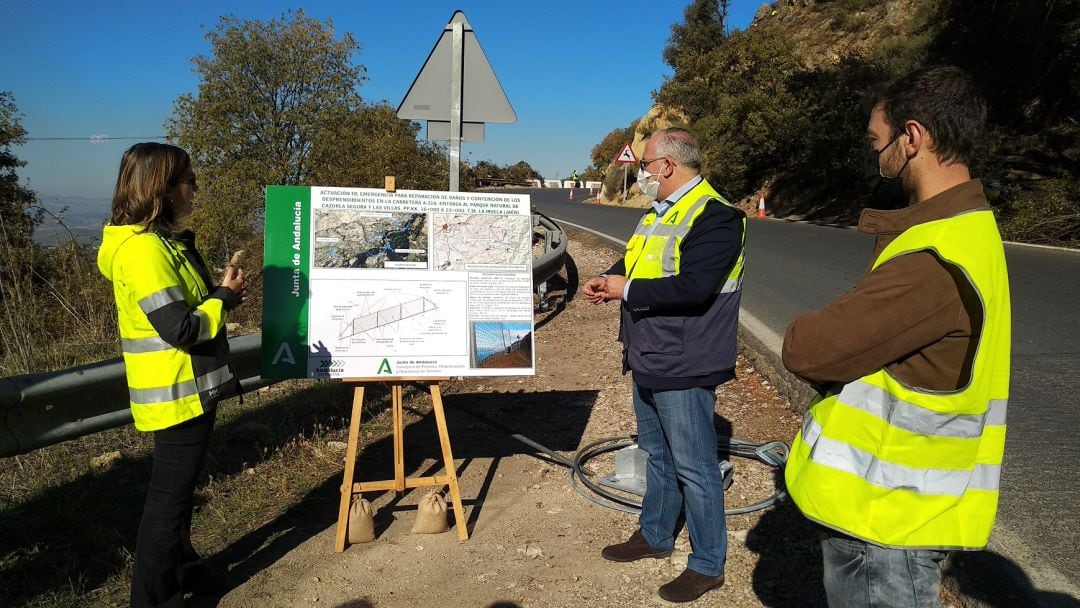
626 156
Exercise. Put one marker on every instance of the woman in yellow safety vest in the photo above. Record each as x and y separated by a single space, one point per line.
172 329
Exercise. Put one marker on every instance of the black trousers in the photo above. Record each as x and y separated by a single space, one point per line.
164 557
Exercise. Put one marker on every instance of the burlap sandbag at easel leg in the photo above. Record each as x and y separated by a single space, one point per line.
361 521
431 515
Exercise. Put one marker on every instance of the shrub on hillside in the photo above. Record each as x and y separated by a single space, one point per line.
741 107
779 103
613 180
1047 213
56 310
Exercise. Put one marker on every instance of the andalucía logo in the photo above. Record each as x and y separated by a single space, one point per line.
384 367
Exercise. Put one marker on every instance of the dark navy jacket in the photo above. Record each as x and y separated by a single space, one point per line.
677 332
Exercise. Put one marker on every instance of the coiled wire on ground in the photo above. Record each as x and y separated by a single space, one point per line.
773 453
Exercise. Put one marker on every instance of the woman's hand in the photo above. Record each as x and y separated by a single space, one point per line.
234 280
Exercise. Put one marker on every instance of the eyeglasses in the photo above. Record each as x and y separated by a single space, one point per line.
645 162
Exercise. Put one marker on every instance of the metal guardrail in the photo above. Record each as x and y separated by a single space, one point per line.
548 265
38 410
42 409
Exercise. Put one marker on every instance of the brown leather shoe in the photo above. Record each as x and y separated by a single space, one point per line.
634 549
689 586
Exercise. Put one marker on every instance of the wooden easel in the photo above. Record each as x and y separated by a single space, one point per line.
399 482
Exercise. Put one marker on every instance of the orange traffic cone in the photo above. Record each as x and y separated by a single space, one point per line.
761 206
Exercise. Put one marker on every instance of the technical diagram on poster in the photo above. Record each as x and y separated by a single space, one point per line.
357 239
385 315
479 242
365 283
376 319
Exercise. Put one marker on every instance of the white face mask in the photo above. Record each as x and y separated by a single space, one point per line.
649 188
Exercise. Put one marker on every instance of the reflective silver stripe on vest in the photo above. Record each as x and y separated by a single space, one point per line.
693 209
150 396
998 410
205 326
731 285
152 344
877 401
672 234
675 232
668 230
668 260
843 457
214 379
161 298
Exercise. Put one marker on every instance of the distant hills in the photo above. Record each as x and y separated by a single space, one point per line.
82 217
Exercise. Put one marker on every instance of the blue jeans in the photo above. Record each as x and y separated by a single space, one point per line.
859 574
676 428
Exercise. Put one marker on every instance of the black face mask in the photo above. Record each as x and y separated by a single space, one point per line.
887 192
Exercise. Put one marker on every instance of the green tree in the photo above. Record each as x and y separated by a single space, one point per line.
702 30
361 145
740 104
780 103
16 221
486 168
1024 56
603 157
521 172
591 174
270 93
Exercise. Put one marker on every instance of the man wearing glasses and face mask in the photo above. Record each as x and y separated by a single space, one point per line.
679 285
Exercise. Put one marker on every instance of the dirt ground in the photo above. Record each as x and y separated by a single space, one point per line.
533 540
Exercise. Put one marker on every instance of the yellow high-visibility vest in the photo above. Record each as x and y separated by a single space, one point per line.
910 468
653 251
168 383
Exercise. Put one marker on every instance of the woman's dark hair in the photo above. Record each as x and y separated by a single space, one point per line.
942 98
147 171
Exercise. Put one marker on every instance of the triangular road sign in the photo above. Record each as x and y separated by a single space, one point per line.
483 98
626 157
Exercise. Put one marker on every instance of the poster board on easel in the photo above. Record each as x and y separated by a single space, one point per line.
372 285
362 282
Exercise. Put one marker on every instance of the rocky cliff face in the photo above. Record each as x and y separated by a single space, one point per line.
824 32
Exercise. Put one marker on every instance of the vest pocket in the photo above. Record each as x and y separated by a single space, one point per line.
659 335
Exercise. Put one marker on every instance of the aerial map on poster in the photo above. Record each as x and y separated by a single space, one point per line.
364 283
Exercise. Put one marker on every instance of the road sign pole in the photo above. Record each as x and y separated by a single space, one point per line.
624 170
456 59
625 158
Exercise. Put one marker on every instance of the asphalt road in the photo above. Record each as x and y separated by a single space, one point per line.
796 267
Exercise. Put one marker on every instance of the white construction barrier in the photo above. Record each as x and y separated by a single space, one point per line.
535 183
552 183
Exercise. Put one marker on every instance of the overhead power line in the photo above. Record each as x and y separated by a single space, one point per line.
96 139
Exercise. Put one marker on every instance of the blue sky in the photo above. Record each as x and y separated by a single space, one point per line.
573 71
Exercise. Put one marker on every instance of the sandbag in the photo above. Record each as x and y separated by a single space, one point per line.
361 521
431 515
